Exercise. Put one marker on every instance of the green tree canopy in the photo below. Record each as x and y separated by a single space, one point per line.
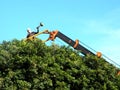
33 65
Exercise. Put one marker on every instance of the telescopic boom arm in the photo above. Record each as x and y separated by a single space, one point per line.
75 44
53 34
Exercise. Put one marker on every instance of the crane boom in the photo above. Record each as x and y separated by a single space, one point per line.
75 44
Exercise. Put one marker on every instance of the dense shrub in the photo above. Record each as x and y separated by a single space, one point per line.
35 66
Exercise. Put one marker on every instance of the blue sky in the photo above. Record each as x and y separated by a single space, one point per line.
94 22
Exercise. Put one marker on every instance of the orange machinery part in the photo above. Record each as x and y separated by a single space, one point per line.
99 54
76 43
53 35
118 73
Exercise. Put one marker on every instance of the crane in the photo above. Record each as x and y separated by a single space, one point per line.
75 44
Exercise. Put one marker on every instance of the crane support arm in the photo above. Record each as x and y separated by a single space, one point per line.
74 44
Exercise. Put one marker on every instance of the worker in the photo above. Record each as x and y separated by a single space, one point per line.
30 33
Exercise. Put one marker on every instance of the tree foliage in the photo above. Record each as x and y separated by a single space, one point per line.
33 65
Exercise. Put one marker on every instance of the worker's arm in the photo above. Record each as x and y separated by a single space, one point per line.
37 30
